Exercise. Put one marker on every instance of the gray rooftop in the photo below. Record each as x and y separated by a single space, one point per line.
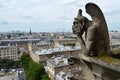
2 47
57 49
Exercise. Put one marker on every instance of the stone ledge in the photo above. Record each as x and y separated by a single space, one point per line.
115 67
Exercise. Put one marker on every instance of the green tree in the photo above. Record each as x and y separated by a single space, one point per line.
6 63
34 73
69 44
25 60
17 63
45 77
33 70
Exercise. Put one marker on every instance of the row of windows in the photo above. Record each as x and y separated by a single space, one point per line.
9 57
9 54
8 48
8 51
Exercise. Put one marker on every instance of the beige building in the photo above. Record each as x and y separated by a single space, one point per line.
40 46
9 52
56 65
61 64
43 55
24 45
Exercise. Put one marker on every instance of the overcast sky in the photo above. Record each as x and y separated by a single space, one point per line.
51 15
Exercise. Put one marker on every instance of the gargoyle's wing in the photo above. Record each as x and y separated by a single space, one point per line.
95 12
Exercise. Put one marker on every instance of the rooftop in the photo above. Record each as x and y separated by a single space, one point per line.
59 61
1 47
57 49
19 40
42 43
70 76
66 39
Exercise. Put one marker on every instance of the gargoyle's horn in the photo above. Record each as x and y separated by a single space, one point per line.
79 13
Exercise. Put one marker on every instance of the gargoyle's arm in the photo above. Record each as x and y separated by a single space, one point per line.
81 41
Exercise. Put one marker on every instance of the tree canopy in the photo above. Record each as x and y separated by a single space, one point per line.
33 70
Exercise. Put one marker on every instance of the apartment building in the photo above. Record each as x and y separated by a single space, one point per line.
59 68
41 56
9 52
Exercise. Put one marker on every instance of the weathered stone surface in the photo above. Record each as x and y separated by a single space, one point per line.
96 32
102 69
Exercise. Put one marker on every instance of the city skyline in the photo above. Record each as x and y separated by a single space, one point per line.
51 16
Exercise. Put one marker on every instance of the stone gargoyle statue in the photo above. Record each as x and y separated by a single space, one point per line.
96 39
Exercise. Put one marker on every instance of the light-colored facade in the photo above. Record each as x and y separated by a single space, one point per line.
40 46
45 54
114 40
9 52
24 45
58 64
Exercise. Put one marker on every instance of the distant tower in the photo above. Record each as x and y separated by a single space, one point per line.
30 32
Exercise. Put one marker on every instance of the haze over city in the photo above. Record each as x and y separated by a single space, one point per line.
51 15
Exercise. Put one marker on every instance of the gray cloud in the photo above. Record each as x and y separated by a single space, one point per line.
50 11
115 12
4 22
31 19
28 17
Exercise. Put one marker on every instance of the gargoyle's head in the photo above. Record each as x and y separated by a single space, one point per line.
78 26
